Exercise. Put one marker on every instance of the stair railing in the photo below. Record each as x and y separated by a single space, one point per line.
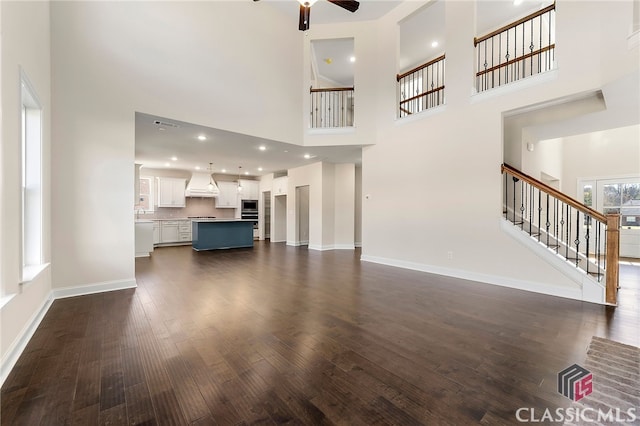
583 236
332 107
517 50
421 87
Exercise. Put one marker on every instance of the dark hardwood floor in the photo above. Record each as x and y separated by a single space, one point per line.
279 334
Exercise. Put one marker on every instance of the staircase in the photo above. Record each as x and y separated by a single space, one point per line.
579 241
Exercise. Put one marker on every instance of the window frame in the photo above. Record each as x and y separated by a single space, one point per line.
31 251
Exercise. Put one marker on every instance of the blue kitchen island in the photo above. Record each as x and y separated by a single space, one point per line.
215 234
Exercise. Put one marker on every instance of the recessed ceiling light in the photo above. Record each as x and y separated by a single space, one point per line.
167 164
259 169
434 44
262 147
246 173
174 158
352 59
223 171
202 138
517 2
307 156
197 167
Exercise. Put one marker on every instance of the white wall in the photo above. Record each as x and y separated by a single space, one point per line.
614 152
545 160
192 61
24 28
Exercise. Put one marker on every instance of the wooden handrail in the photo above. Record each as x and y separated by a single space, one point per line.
513 61
428 92
552 191
477 40
419 67
331 89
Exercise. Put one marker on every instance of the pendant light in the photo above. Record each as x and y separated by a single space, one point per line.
211 185
239 183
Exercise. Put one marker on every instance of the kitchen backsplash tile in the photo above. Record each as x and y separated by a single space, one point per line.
194 207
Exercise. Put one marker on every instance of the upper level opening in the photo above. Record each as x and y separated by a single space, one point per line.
332 83
516 40
420 83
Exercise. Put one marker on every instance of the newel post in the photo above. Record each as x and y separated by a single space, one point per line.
613 255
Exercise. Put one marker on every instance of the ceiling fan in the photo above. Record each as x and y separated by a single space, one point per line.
305 10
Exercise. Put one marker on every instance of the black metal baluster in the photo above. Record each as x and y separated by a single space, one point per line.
530 208
515 180
549 44
539 213
598 242
547 223
561 208
499 59
485 75
506 195
568 232
540 44
577 240
522 206
586 238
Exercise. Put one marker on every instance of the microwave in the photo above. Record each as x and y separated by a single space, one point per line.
249 206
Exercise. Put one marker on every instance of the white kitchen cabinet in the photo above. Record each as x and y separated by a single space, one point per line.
279 185
250 189
170 231
228 197
184 230
143 238
171 192
156 232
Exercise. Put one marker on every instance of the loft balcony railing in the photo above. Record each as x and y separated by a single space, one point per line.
332 107
521 49
582 236
421 87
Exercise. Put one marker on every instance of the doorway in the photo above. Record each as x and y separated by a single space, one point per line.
302 215
278 233
266 197
617 196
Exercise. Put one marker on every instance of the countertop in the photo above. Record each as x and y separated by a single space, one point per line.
223 220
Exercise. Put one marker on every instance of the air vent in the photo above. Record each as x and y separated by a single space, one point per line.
165 124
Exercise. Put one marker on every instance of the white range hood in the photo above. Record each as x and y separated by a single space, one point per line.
198 186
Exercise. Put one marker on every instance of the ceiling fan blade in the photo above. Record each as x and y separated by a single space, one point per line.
305 12
350 5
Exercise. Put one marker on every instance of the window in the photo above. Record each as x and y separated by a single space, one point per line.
31 170
145 200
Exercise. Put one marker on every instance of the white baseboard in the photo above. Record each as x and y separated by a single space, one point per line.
20 343
358 244
332 247
61 293
535 287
